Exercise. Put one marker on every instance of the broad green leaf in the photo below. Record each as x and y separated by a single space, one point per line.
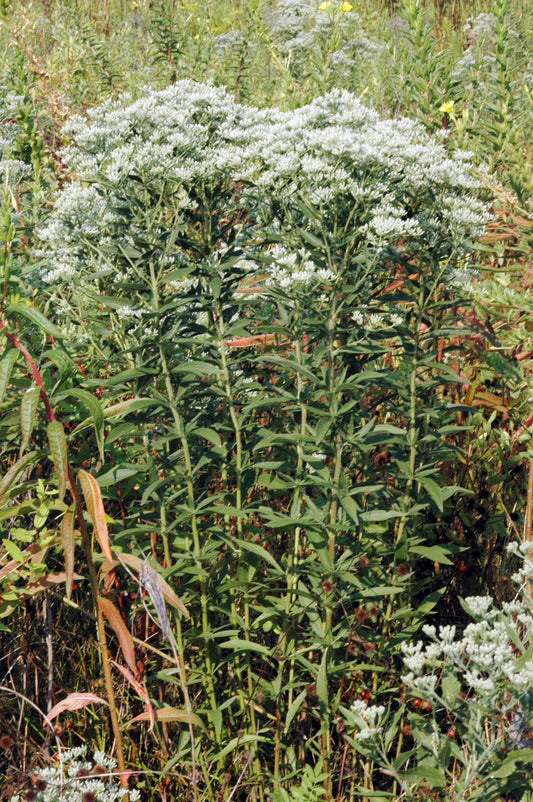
13 550
432 775
350 507
451 688
437 554
322 428
208 434
28 411
64 362
6 369
197 368
58 451
433 489
239 644
118 474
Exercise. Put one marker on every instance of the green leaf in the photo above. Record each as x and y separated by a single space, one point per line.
508 766
245 646
433 489
293 709
28 411
6 369
13 550
116 475
451 688
437 554
37 318
197 368
322 679
58 451
425 773
322 428
208 434
260 551
350 507
95 408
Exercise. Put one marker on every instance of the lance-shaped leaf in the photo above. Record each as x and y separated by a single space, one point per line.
37 318
169 714
95 408
75 701
68 542
95 507
28 411
16 468
120 629
58 450
112 411
132 681
6 369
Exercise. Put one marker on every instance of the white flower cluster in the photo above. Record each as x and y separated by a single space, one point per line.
74 777
485 657
368 718
286 269
326 169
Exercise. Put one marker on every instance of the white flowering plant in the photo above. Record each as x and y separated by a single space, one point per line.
76 777
270 291
467 713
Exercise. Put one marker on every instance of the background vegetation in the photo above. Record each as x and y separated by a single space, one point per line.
229 497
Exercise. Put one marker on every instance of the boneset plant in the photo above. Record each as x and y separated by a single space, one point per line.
278 291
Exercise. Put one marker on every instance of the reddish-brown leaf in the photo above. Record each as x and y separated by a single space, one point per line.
75 701
121 631
132 681
95 507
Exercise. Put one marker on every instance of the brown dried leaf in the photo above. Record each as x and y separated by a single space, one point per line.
75 701
121 631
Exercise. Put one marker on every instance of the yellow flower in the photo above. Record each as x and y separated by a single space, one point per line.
447 108
324 6
346 7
